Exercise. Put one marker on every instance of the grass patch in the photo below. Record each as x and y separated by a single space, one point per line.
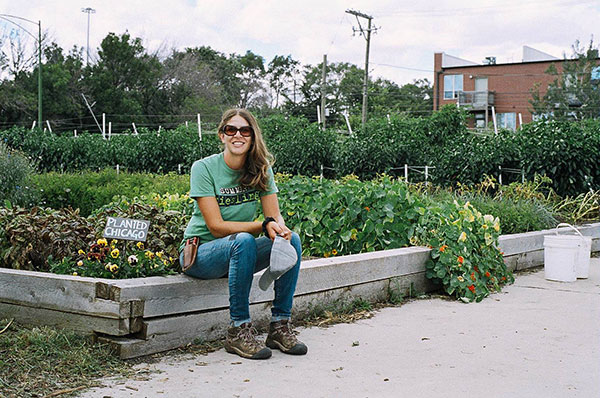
44 361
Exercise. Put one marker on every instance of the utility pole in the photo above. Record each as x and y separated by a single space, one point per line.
367 37
323 81
88 11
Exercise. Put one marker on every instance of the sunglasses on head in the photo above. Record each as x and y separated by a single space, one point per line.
245 131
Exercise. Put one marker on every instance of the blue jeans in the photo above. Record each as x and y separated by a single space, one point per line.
239 256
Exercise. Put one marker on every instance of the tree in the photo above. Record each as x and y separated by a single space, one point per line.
251 71
126 79
413 99
61 86
190 85
281 74
574 93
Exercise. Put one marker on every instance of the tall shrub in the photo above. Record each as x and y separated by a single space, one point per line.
16 171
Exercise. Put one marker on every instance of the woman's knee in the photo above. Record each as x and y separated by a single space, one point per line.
243 240
296 241
243 237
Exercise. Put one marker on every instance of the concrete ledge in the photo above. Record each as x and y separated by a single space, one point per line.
148 315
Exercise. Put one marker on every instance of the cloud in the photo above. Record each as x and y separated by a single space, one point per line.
409 32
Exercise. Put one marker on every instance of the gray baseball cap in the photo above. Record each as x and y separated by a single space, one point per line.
283 258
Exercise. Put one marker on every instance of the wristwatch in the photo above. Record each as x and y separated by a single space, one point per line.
264 224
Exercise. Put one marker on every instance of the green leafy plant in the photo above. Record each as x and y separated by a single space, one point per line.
88 191
348 216
465 259
16 170
30 236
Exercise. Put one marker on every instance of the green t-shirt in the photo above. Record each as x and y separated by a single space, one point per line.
212 177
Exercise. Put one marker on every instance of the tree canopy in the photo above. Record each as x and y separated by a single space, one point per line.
574 93
130 84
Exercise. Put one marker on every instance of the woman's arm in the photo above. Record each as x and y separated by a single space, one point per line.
270 206
217 226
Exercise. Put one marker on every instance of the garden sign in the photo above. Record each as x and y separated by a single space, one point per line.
126 228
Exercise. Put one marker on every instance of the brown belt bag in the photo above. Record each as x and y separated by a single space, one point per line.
189 253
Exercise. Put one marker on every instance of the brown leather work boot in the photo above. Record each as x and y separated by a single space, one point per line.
242 341
282 337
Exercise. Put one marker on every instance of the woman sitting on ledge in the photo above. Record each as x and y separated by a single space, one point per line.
227 188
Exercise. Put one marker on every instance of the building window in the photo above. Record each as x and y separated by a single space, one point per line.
453 84
507 120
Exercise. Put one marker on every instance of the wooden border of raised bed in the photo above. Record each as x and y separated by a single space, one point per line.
148 315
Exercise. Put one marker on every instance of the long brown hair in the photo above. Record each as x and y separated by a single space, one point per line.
259 159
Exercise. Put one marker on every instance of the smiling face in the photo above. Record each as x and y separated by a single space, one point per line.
236 146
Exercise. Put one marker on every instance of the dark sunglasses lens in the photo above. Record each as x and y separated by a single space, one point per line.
246 131
230 130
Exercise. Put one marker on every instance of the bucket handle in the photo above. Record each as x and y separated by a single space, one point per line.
564 224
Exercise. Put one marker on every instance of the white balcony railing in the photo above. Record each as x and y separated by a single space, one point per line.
476 99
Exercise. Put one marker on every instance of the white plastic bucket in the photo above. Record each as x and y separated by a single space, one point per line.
583 262
566 257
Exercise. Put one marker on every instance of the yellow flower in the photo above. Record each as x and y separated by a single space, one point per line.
140 245
471 218
113 242
74 273
79 263
488 239
484 226
334 252
107 266
171 259
102 242
165 262
326 254
114 268
80 252
497 226
160 254
460 279
462 237
149 254
413 240
114 253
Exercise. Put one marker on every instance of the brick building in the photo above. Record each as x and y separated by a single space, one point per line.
505 87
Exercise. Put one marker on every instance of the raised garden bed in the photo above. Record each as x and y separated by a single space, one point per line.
148 315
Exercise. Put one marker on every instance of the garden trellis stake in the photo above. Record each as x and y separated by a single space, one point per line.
199 128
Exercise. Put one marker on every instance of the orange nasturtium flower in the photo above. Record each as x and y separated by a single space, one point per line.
367 208
443 247
487 274
460 259
472 288
473 276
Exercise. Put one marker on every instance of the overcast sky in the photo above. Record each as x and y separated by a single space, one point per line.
409 32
